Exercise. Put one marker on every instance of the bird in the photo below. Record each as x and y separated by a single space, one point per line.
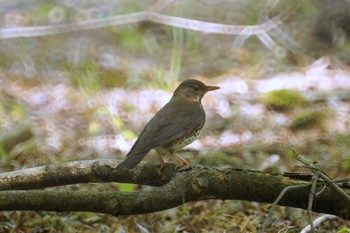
174 126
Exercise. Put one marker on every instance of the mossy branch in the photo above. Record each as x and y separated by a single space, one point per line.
199 183
83 172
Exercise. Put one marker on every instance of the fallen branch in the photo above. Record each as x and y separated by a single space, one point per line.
83 172
200 183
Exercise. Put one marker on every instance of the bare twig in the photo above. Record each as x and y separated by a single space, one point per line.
311 199
322 175
268 220
318 221
7 33
153 16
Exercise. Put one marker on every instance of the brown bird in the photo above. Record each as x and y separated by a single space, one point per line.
176 125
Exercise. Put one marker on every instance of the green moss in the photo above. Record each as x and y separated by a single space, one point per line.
345 164
89 75
18 112
129 38
86 77
3 153
111 78
283 99
343 140
310 119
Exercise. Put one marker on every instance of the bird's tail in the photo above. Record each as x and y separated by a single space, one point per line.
132 159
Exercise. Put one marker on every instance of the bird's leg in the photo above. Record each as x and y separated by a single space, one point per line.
162 161
183 162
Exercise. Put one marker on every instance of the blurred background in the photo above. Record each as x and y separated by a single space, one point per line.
79 81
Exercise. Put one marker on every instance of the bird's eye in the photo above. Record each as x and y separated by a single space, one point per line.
195 87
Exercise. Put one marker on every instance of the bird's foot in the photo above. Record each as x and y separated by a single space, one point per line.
162 161
182 162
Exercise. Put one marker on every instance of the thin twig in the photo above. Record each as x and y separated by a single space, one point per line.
7 33
311 199
322 175
268 220
196 25
285 229
318 221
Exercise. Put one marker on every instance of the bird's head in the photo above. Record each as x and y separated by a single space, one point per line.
193 90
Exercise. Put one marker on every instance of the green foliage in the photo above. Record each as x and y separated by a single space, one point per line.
165 78
86 77
161 80
91 77
191 39
344 229
131 39
283 99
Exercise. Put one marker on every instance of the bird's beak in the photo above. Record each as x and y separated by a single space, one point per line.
211 88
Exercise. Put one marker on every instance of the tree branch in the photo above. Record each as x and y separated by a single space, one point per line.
200 183
196 25
84 172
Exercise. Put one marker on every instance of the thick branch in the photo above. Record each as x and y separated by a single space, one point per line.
84 172
198 184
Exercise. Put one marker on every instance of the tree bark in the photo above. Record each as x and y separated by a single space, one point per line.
97 171
198 183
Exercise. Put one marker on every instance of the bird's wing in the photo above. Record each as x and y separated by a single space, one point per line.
174 121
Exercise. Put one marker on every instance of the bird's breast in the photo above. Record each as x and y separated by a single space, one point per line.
184 141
